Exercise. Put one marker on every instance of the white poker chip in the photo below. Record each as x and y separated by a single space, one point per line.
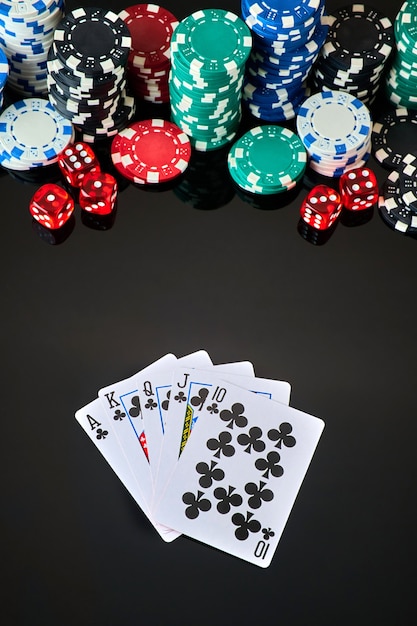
333 122
335 128
33 133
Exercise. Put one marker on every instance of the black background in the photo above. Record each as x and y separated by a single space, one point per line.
337 321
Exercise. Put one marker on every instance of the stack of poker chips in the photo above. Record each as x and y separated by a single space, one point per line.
26 33
32 135
287 38
209 50
394 145
267 160
149 63
359 43
335 128
401 80
4 74
86 73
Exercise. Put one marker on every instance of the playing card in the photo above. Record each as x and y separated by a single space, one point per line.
243 368
239 474
122 402
190 392
158 434
155 406
155 409
95 422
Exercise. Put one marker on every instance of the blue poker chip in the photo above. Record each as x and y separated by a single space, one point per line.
259 93
26 33
28 79
33 132
278 34
14 9
287 14
273 116
287 37
24 51
21 66
4 69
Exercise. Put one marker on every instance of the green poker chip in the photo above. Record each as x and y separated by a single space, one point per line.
401 80
267 159
209 50
185 72
212 40
405 25
209 97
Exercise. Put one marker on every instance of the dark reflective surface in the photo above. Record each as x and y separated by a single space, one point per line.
335 318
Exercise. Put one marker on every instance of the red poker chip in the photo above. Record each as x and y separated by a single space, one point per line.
151 28
158 86
151 92
154 92
151 151
146 72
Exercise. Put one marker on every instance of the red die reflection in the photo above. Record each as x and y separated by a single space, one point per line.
51 206
321 207
358 189
98 193
76 161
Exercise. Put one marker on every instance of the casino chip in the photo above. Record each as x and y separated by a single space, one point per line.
26 33
87 73
151 151
4 74
359 42
267 160
393 209
32 134
209 50
287 38
401 80
335 129
407 184
394 138
151 28
92 41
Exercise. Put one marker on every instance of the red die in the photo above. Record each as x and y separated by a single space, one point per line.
98 193
51 206
321 207
76 161
358 189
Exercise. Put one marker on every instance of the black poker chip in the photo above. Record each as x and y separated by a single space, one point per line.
77 79
92 40
392 208
359 36
359 42
90 109
326 72
84 95
87 73
81 119
407 183
69 87
103 130
394 138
